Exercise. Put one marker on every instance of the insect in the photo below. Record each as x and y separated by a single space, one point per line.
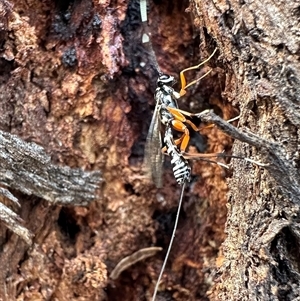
181 169
167 112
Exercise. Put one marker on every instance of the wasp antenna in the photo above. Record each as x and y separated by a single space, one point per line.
170 244
184 85
146 37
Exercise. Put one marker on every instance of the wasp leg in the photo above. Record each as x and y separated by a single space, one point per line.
221 155
233 119
200 156
185 138
205 157
183 141
175 111
184 85
179 125
178 112
206 127
179 115
176 142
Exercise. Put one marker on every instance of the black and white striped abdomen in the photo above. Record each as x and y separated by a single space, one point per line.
181 168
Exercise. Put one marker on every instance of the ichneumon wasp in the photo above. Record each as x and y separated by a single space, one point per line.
167 113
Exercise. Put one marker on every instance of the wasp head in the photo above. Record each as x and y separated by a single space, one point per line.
165 79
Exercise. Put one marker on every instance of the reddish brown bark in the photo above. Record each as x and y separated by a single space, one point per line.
76 80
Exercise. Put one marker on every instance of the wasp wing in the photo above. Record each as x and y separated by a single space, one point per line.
153 159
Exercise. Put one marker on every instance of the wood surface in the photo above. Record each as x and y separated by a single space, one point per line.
76 87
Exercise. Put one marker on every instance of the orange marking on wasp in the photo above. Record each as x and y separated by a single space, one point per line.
178 123
166 112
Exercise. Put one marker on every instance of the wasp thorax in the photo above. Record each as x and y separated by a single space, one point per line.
165 79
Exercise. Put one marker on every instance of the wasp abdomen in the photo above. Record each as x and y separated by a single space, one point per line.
181 168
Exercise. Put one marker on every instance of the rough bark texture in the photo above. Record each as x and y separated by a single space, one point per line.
259 46
25 167
76 80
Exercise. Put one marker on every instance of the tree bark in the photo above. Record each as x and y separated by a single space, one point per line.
259 46
76 80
